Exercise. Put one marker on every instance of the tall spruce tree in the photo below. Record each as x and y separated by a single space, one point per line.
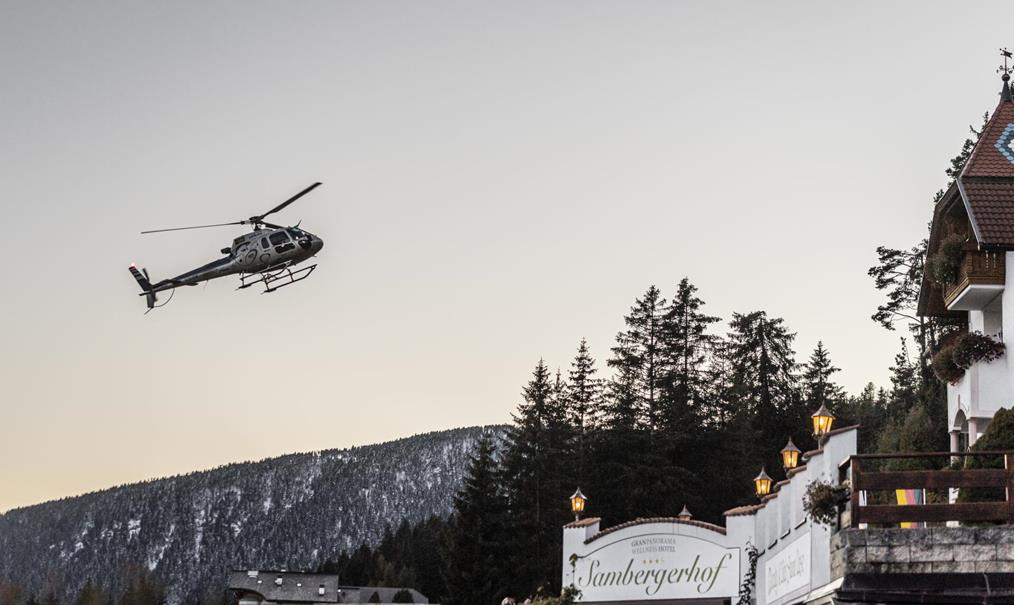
476 556
764 381
538 475
817 381
686 346
638 356
584 393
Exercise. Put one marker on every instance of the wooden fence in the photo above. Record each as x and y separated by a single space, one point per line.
878 480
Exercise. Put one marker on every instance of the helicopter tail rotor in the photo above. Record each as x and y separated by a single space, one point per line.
145 283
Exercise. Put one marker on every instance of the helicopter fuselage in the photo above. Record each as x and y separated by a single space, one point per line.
259 251
266 256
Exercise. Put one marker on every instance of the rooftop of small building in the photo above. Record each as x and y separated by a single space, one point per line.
283 586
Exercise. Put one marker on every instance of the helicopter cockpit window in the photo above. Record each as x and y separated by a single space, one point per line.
264 243
279 237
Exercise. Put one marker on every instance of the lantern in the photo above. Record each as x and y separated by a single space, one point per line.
762 484
578 501
822 420
790 455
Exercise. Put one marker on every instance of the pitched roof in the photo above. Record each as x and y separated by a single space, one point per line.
986 180
287 586
982 195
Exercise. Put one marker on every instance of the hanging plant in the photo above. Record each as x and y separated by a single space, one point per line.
822 500
974 347
943 365
960 353
943 265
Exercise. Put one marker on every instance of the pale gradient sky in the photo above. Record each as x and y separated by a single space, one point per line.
500 179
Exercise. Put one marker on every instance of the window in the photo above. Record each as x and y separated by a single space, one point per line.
264 243
279 237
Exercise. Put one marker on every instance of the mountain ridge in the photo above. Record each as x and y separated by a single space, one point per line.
289 511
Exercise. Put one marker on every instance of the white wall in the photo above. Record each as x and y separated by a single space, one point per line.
987 387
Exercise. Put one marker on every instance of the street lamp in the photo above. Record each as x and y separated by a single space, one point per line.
578 501
762 484
790 455
822 420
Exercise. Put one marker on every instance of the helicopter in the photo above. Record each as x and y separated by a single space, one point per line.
267 255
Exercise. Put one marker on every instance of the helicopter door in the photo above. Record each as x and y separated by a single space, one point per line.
265 250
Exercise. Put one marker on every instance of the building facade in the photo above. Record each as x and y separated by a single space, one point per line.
968 276
774 553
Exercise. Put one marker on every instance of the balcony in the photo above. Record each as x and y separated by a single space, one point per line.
981 278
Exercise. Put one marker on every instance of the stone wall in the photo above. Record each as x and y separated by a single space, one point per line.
922 550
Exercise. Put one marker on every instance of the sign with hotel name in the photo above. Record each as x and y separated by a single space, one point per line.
789 570
651 566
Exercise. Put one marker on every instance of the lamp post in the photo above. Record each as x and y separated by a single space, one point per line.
578 501
822 420
790 455
762 484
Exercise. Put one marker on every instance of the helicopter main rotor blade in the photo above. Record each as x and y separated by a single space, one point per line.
195 227
285 203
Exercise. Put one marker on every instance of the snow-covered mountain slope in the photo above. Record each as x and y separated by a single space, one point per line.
287 512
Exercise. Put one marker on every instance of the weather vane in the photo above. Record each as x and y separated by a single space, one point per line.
1005 69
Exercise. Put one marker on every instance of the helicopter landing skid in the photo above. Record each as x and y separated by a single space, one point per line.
268 278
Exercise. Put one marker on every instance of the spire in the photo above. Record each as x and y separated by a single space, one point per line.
684 515
1005 71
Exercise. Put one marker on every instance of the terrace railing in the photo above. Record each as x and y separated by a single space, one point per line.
866 476
977 268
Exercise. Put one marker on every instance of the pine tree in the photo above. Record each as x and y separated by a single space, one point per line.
143 588
905 376
638 356
90 595
763 379
869 409
817 384
761 351
686 346
538 475
476 570
584 392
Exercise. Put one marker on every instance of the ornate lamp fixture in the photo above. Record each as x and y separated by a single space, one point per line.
790 455
578 501
762 484
822 420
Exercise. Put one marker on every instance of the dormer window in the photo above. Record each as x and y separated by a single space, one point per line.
278 581
320 590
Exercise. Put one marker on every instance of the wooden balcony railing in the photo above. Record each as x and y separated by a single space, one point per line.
977 268
998 510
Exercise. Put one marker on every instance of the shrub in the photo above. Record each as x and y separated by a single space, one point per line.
568 596
943 265
996 437
822 500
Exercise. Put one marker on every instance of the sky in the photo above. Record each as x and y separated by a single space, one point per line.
501 179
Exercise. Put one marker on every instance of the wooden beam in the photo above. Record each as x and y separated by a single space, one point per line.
965 511
888 480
